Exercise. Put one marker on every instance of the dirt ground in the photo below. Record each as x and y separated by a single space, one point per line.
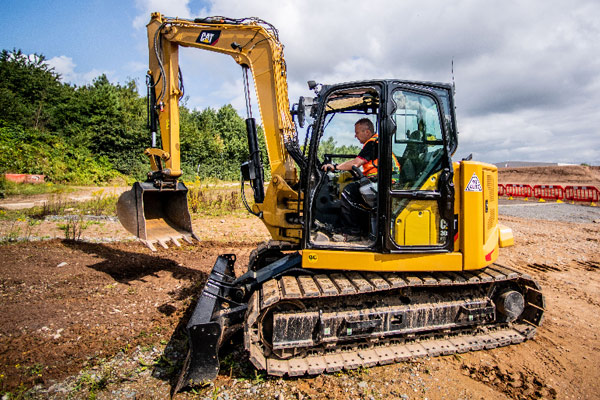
574 175
105 320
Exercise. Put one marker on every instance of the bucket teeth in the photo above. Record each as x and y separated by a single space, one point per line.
164 242
148 244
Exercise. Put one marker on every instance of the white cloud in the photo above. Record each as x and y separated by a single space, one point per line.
171 8
65 67
525 72
136 67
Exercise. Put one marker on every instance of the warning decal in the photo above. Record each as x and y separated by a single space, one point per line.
474 185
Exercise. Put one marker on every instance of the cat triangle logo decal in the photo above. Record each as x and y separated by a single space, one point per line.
474 184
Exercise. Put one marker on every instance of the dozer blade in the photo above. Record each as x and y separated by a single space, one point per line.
156 215
215 318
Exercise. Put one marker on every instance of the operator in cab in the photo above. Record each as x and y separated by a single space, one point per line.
354 210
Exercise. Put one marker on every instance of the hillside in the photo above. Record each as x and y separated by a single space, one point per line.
577 175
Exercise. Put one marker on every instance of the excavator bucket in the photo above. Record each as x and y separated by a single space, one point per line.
156 215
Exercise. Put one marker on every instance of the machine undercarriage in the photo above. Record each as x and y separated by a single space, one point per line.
307 322
327 322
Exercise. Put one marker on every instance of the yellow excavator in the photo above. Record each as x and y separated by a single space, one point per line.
420 279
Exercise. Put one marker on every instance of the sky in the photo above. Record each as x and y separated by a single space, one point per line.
527 73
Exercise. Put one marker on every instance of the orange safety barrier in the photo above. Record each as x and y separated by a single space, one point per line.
24 178
513 190
582 193
545 192
501 190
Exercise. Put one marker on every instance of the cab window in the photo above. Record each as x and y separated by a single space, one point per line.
417 144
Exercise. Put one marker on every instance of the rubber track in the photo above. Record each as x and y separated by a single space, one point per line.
388 350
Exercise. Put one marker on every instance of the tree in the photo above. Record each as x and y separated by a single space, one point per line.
83 134
110 121
29 88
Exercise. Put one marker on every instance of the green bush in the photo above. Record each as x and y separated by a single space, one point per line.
34 152
95 133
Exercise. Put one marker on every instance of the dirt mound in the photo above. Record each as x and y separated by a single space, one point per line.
556 175
515 384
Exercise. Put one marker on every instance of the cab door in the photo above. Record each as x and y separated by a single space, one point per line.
418 174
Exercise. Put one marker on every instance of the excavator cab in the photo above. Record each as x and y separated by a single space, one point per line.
413 187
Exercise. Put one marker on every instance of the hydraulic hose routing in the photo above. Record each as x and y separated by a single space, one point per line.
252 170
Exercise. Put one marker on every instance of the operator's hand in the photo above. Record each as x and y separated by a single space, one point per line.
328 167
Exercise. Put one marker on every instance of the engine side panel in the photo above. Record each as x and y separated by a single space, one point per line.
478 215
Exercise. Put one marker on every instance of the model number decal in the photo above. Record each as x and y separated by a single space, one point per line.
208 37
313 258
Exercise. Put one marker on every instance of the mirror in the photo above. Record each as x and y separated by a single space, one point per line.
300 112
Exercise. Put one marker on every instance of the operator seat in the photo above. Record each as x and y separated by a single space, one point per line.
413 160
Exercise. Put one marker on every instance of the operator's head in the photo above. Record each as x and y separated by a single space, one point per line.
363 130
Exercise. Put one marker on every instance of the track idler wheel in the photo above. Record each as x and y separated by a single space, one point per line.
510 304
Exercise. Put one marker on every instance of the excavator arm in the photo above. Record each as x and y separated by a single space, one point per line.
254 45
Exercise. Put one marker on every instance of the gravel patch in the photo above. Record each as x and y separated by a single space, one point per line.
564 212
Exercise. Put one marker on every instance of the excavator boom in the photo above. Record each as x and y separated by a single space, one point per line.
254 45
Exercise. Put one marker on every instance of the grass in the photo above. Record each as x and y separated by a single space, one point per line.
58 204
20 228
8 188
30 375
100 204
94 382
207 198
214 198
74 227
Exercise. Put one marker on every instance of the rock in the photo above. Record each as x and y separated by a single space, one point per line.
131 395
363 385
502 370
516 384
62 264
321 238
